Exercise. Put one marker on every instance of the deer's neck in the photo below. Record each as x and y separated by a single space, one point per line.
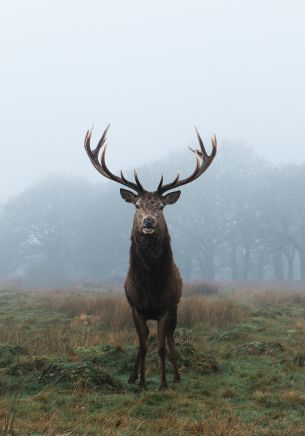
151 254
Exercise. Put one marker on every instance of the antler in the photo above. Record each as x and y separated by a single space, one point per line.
101 166
203 161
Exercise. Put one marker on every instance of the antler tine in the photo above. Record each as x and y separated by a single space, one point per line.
202 148
93 154
101 166
203 161
87 139
214 142
137 180
123 178
160 184
168 186
101 141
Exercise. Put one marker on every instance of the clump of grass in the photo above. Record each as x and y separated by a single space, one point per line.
8 427
259 348
10 354
189 357
293 397
216 424
299 358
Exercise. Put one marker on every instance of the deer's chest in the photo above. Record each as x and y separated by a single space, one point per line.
152 306
150 302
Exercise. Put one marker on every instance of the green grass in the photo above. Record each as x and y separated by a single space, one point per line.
64 370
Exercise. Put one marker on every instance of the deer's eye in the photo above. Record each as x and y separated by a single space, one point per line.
161 206
137 206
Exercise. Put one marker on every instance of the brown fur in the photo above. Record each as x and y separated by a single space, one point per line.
153 285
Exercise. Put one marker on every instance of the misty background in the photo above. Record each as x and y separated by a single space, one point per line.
153 70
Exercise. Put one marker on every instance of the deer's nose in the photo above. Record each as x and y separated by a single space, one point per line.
149 221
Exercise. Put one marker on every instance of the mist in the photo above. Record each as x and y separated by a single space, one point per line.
242 221
153 70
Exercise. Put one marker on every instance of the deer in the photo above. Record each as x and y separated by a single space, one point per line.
153 284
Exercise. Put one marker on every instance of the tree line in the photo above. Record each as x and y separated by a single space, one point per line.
243 220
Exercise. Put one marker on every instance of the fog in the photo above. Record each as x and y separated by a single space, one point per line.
242 225
152 69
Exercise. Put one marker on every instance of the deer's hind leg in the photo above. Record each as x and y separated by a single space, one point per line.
162 332
171 325
142 331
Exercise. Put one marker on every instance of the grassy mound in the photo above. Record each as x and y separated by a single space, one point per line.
192 359
84 374
34 372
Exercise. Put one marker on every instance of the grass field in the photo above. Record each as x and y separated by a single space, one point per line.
65 357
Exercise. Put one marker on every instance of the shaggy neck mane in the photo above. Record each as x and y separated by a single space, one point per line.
151 256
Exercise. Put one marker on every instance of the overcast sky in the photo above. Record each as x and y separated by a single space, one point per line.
153 69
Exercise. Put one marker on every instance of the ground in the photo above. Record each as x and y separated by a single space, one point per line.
65 358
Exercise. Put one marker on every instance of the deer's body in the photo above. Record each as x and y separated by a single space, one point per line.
156 290
153 284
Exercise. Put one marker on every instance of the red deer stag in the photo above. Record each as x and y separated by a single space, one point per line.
153 284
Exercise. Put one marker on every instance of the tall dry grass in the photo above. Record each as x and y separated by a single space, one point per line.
87 319
274 296
59 321
93 319
55 339
115 312
269 293
209 311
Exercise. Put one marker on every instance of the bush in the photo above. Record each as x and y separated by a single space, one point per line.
200 288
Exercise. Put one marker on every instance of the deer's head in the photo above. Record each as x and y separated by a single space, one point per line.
149 218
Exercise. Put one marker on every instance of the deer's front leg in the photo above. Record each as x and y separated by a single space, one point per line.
142 330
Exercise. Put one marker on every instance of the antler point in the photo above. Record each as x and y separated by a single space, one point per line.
193 150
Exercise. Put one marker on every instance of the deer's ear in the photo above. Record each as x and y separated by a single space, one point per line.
128 196
171 198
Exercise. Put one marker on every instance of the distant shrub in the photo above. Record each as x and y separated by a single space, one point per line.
200 288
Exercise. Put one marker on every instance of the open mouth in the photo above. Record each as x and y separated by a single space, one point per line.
148 230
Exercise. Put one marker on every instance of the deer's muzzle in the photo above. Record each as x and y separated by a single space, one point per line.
149 224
